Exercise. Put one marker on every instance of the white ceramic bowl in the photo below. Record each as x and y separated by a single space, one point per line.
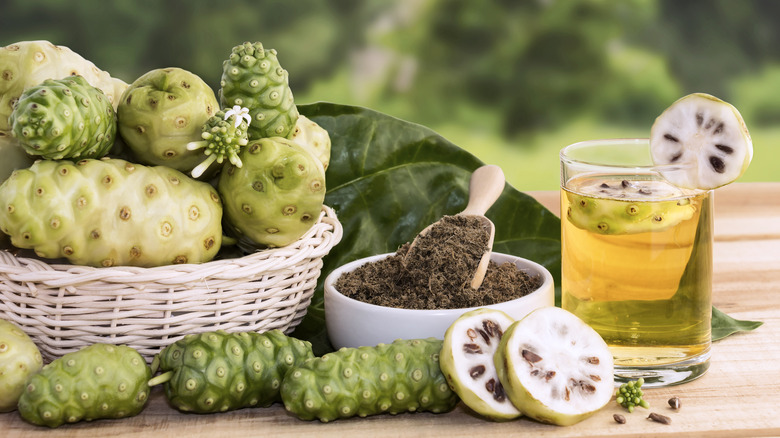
353 323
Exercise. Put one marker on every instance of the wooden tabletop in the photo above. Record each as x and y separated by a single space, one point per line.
737 397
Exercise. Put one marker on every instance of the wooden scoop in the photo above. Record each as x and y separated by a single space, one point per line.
485 186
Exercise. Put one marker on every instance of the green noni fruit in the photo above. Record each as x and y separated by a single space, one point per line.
64 118
403 376
19 359
163 110
96 382
275 196
111 212
253 78
219 371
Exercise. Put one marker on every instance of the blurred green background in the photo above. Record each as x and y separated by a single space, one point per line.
511 81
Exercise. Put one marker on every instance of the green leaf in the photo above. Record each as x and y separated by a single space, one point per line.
389 178
724 325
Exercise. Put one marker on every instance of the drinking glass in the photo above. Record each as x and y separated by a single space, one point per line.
637 260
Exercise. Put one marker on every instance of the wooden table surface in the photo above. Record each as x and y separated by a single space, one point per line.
737 397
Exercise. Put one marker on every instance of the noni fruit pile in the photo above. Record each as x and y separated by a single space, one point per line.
145 172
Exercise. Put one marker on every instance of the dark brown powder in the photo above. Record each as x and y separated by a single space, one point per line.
437 273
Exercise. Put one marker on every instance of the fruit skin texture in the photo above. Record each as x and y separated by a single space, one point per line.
219 371
28 63
253 78
19 359
64 118
162 111
387 378
96 382
275 196
111 212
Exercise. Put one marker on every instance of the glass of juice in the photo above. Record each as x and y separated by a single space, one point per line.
637 260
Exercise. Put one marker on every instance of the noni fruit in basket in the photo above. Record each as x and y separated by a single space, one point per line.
28 63
98 381
275 196
252 77
64 118
403 376
313 137
19 359
219 371
111 212
162 111
223 135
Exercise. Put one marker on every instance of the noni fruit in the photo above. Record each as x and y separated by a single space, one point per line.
162 111
28 63
403 376
111 212
19 359
253 78
275 196
313 137
219 371
98 381
64 118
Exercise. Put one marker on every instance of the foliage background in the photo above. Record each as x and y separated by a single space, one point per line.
511 81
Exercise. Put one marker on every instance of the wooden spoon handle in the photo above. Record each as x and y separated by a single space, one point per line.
485 186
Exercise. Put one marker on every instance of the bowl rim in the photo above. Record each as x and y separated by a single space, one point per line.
331 291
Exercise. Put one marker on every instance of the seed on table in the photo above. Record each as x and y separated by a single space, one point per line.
658 418
619 418
675 403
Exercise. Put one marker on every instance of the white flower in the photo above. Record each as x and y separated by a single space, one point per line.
240 113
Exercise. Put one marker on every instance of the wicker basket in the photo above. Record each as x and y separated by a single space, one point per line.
66 307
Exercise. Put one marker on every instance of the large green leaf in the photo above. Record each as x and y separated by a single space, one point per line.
388 179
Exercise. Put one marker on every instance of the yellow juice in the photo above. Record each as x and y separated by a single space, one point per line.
637 266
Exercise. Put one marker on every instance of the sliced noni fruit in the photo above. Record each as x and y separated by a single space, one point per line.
624 207
466 359
701 142
555 368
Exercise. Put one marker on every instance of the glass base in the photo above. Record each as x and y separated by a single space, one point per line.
665 375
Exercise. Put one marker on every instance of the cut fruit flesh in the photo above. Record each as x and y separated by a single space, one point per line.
466 360
554 367
701 142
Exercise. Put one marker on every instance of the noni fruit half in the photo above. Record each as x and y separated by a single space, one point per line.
162 111
19 359
64 118
111 212
98 381
275 196
219 371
